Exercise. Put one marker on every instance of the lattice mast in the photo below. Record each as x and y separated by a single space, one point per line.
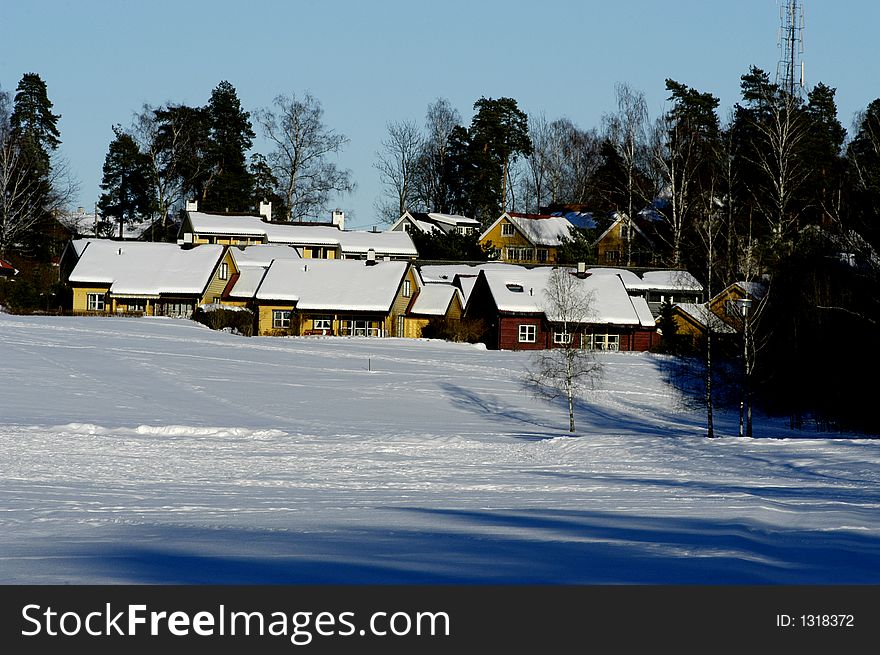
790 69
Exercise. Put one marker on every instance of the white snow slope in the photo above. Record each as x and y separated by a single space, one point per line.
158 451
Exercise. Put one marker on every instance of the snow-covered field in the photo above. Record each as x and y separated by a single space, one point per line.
158 451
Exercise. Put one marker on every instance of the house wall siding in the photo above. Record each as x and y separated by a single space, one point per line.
80 298
508 333
216 286
264 317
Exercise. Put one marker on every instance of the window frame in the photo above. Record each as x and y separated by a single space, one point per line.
279 318
527 333
93 300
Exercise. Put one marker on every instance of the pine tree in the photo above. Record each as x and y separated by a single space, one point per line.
499 134
34 125
27 184
128 194
231 187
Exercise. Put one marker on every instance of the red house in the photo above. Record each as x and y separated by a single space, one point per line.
512 303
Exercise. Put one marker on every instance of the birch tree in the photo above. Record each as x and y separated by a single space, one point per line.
626 132
397 162
682 143
566 370
433 184
301 159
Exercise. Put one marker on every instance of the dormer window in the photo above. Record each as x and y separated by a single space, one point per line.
516 288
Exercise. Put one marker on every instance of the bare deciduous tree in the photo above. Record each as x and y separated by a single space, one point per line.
164 143
397 162
431 178
626 131
568 369
561 165
303 145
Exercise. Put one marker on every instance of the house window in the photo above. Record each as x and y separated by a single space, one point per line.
281 319
612 256
602 341
561 337
519 254
543 253
507 230
95 302
322 323
407 288
527 333
359 328
224 271
176 309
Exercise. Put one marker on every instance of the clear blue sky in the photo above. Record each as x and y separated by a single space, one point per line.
370 62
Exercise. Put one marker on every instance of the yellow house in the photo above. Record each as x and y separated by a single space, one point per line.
433 301
144 278
335 297
526 238
724 311
624 243
312 240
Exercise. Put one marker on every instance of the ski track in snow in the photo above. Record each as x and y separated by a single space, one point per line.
158 451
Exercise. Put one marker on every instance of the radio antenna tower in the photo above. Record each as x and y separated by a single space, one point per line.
790 69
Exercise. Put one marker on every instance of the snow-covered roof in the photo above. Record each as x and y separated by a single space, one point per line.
391 243
447 272
539 229
700 313
333 284
356 242
466 283
672 280
249 278
204 223
434 299
754 289
631 280
146 269
663 280
453 219
525 293
261 254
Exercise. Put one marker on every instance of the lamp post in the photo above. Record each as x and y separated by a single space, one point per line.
745 306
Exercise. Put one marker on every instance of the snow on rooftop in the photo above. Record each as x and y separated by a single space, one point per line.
249 278
454 219
392 243
447 272
262 254
544 231
665 280
227 224
434 299
672 280
350 241
525 293
333 284
146 269
701 313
